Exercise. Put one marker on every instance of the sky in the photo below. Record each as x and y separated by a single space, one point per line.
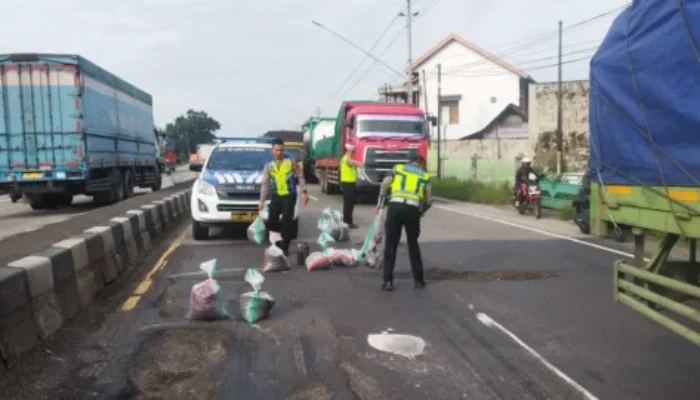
259 66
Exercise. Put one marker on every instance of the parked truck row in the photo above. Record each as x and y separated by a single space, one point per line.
70 127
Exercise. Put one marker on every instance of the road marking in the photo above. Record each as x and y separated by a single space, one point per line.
147 281
314 198
546 233
489 322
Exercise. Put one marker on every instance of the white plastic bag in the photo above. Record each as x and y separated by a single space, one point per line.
275 237
256 231
275 261
344 258
206 301
255 305
324 239
318 260
375 234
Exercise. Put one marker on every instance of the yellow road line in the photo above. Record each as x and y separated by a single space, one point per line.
147 281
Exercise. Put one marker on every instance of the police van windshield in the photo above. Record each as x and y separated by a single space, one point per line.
238 159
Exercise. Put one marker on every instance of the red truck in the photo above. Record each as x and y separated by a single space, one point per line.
385 134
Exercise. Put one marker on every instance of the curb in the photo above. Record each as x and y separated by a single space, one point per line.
41 292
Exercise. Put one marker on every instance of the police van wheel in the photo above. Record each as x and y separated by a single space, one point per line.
199 231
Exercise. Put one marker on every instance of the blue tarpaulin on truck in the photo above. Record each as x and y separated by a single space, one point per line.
644 107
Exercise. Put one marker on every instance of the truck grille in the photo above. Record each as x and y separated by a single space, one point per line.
380 161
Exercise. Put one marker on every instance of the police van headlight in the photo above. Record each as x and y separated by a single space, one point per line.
205 188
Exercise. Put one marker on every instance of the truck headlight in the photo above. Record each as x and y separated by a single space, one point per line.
205 188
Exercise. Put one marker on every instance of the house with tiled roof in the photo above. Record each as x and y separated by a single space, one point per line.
477 87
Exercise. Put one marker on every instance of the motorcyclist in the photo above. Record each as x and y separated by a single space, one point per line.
522 175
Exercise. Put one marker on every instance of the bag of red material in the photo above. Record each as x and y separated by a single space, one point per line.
206 301
275 237
275 261
344 258
318 260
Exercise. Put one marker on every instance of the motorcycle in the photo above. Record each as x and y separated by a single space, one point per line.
528 197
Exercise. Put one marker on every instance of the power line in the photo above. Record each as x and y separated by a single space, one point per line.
541 38
539 67
493 68
369 68
354 71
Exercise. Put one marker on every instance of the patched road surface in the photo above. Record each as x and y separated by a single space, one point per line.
507 314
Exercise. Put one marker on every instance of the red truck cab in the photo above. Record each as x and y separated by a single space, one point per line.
384 135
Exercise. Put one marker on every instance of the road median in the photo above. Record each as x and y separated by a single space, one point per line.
42 290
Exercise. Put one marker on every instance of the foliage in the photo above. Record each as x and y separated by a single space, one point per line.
566 213
191 129
472 191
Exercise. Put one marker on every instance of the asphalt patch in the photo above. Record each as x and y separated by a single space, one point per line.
180 364
442 274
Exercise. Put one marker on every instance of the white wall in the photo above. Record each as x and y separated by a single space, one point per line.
475 107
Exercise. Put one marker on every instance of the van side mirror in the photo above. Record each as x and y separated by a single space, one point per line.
433 120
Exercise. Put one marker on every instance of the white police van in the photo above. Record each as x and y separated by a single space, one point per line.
227 191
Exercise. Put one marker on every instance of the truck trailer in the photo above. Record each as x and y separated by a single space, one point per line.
384 134
315 129
644 166
69 127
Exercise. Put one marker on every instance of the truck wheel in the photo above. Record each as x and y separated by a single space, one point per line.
159 180
128 184
199 231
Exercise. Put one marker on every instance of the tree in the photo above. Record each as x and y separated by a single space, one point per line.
191 129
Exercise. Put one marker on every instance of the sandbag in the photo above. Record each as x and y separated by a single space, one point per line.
275 261
256 231
344 258
318 260
375 234
255 305
206 300
275 237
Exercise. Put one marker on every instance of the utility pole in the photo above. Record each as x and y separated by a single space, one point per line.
425 105
318 112
559 110
439 120
409 17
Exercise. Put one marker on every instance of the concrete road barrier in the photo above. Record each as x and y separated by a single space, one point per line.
41 292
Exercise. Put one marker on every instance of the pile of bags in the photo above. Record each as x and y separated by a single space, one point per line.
333 230
275 260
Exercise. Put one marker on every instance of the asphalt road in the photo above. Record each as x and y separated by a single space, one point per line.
19 217
514 309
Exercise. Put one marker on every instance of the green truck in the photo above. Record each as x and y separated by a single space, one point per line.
645 157
315 129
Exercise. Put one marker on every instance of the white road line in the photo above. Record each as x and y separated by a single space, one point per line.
314 198
489 322
546 233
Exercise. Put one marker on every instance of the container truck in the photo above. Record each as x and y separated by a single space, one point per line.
384 134
69 127
315 129
644 166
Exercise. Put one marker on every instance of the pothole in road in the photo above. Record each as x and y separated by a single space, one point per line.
179 364
442 274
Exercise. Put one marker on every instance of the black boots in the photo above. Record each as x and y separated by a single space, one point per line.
387 286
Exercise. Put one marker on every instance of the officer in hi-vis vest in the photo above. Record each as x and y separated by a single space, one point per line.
410 198
282 179
348 183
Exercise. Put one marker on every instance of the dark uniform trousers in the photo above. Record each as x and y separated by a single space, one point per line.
349 200
400 215
282 205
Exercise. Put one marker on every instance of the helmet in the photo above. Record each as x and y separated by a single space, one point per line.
525 160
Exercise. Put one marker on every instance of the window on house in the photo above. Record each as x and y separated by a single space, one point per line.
450 111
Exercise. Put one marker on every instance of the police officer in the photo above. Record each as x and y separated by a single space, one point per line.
410 198
282 179
348 183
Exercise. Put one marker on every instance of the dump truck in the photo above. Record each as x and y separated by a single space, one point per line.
644 168
384 134
70 127
198 159
315 129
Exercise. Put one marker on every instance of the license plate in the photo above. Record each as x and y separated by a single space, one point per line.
33 175
243 216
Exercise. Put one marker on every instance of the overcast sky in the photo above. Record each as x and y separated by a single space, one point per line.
256 66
